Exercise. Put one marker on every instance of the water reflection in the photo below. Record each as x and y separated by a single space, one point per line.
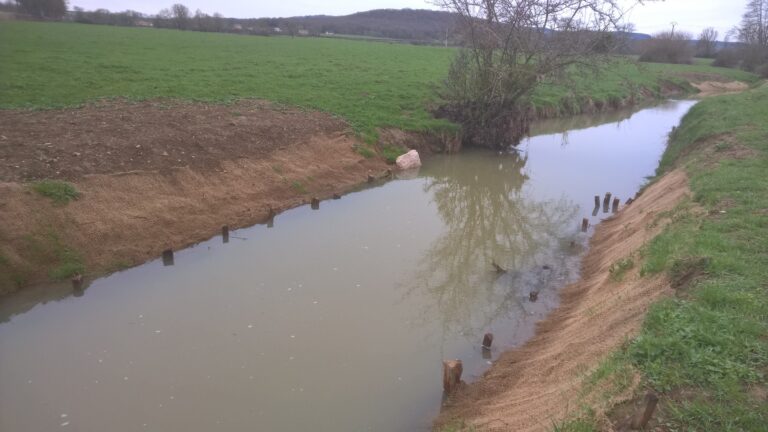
488 219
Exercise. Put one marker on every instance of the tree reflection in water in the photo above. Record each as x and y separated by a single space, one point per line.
488 218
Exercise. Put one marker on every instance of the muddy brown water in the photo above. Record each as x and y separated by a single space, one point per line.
334 319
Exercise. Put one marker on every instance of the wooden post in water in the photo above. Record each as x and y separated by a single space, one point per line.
487 340
486 348
616 202
607 199
336 196
315 203
270 217
584 225
77 282
597 201
168 257
225 234
642 419
371 178
452 370
629 201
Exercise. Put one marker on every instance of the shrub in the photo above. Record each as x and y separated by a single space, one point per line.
727 58
762 70
668 47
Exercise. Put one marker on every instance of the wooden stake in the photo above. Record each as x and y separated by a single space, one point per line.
487 340
642 419
607 199
597 201
616 203
533 296
315 203
629 201
584 225
225 234
77 282
452 370
336 196
168 257
371 178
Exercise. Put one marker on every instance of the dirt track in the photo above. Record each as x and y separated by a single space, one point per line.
529 388
220 169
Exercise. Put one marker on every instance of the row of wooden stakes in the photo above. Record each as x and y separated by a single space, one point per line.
606 204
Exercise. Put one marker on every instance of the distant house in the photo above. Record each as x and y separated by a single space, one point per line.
237 27
277 30
143 23
304 32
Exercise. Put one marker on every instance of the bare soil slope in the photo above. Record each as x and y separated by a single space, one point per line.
529 388
158 175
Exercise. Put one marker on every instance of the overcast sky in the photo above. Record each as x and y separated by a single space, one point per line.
690 15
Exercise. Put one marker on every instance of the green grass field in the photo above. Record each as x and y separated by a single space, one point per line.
706 350
370 84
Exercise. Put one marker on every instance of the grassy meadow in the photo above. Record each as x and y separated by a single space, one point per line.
706 350
370 84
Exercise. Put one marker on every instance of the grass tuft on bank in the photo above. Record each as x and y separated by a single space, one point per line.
706 349
60 192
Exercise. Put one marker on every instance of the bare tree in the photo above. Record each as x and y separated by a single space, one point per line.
218 22
707 44
753 33
754 24
511 46
180 16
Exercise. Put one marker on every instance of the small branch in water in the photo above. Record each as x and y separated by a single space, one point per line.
497 267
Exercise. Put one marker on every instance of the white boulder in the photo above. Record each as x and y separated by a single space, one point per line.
409 160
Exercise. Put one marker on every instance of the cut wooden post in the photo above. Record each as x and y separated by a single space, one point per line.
336 196
168 257
533 296
315 203
77 282
629 201
607 199
371 178
584 225
452 370
597 201
270 217
642 419
616 203
487 340
225 234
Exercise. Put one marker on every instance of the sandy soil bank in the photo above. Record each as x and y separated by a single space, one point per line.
158 175
714 88
529 388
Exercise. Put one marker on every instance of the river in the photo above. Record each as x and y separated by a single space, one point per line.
335 319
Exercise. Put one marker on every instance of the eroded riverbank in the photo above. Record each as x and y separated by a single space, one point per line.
158 175
537 385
